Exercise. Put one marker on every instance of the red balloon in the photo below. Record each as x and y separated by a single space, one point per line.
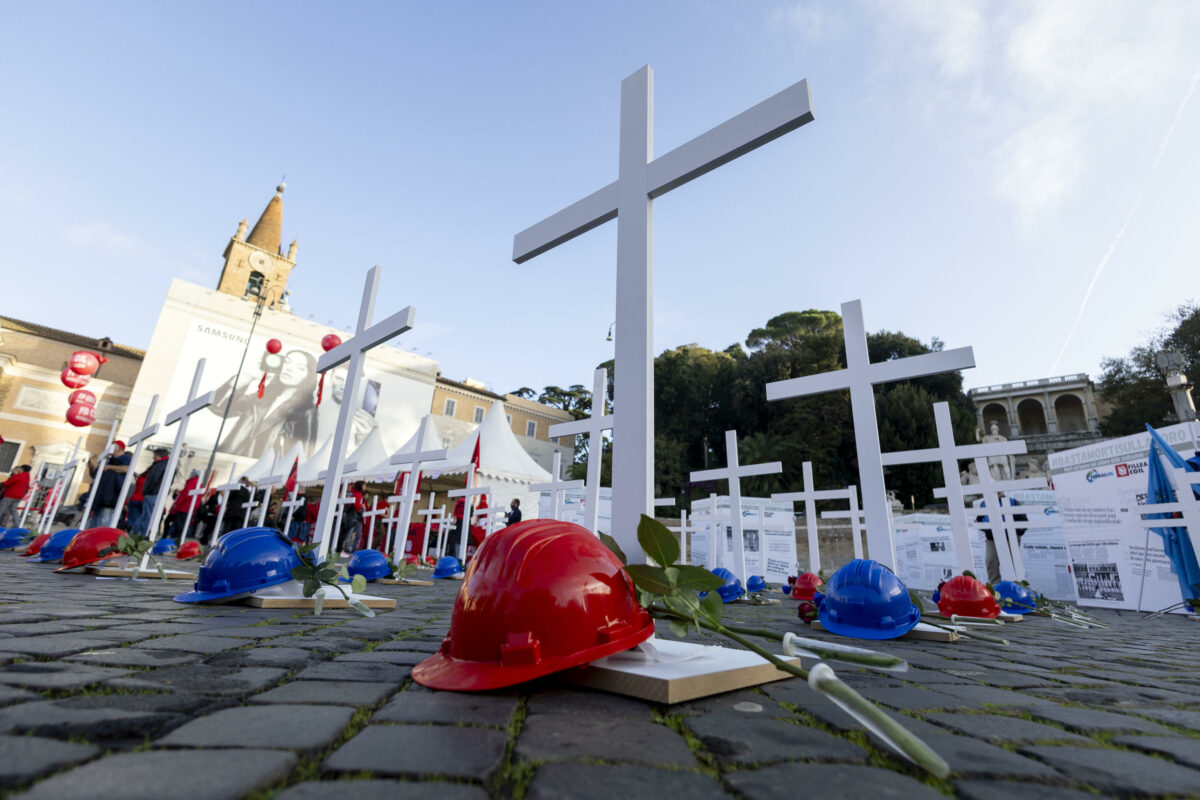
274 346
73 380
84 362
330 341
81 415
81 396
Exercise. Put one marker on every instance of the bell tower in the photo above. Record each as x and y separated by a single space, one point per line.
255 265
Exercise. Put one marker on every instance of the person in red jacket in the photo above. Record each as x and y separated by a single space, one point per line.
179 508
13 489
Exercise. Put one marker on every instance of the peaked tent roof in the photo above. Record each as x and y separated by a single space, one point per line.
262 468
385 467
500 454
368 454
284 464
319 462
268 231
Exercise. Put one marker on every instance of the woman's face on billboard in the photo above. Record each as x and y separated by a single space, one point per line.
294 369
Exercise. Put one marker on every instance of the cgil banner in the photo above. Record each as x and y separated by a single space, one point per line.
768 530
1115 562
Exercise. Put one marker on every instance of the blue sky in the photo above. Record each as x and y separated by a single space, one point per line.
972 170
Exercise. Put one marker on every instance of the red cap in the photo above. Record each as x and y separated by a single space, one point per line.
119 444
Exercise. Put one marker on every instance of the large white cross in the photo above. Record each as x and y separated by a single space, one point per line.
58 489
856 517
101 463
366 336
809 496
556 487
1000 522
640 179
181 415
860 376
948 454
733 473
593 427
415 462
224 489
148 430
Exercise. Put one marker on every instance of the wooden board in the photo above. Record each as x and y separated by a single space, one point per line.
762 601
922 631
1006 617
291 595
710 670
403 582
150 573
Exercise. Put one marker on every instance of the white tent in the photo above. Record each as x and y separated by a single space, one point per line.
284 465
308 471
361 463
262 468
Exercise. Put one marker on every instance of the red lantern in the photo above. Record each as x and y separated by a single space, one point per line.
84 362
274 346
330 341
81 415
81 396
73 380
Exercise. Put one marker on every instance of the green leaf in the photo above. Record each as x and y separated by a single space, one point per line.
358 585
684 603
916 599
646 599
672 575
712 606
611 544
657 541
300 573
310 587
648 578
678 628
698 579
343 571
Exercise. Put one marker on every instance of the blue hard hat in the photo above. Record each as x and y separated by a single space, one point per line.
865 600
371 564
11 537
53 547
164 546
755 583
242 562
1015 598
732 589
447 567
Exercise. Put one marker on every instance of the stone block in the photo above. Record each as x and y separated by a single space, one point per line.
572 781
832 781
1118 771
755 739
416 750
23 758
287 727
449 707
550 737
338 693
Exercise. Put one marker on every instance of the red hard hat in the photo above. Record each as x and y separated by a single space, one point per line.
35 546
88 547
188 550
539 597
967 597
805 585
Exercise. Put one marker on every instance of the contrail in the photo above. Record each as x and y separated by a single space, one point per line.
1162 148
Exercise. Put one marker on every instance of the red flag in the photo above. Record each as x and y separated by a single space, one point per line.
475 455
290 485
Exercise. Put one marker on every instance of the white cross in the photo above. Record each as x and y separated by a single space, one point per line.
716 535
181 415
469 508
199 491
556 488
415 461
593 427
428 514
630 200
101 463
148 430
31 492
376 510
683 530
734 473
850 494
948 454
1185 504
58 489
248 507
860 376
390 521
366 336
443 522
1000 523
809 496
267 484
224 489
291 506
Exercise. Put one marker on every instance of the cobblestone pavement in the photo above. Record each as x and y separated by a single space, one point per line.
109 688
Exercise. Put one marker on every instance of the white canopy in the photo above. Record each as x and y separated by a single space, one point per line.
284 464
262 468
318 463
500 454
361 463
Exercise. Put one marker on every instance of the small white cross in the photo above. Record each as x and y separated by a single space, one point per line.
734 473
376 511
469 508
683 530
268 484
199 491
629 199
101 463
948 454
224 489
181 415
58 489
593 427
556 488
249 507
415 461
428 514
809 496
860 376
850 494
366 336
291 506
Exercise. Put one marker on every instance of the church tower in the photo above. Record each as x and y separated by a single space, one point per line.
255 265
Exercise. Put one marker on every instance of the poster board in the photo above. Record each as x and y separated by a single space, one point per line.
1044 550
768 528
572 507
1115 563
925 550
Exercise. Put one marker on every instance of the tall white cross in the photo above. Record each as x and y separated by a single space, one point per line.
366 336
683 530
199 491
809 496
148 429
468 494
58 490
249 507
224 489
291 505
556 488
948 454
415 462
442 522
593 427
1184 483
375 511
860 376
428 514
640 179
267 484
850 494
101 463
1000 521
181 415
733 473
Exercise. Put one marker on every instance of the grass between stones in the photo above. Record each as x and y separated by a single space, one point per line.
514 777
